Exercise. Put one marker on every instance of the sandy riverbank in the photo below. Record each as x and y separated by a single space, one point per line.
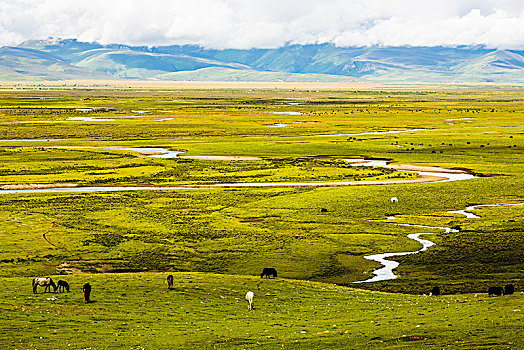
433 169
219 157
36 186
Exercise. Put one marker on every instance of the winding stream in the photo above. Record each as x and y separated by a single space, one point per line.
381 274
155 152
443 175
438 177
386 271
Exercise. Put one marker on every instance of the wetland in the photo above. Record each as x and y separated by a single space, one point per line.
211 203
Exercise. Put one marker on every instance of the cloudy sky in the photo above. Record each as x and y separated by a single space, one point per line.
267 23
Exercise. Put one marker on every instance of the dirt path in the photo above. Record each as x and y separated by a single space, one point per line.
48 241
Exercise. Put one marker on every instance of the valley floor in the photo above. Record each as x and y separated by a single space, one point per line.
215 241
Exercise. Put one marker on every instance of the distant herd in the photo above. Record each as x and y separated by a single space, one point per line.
60 286
498 291
63 286
492 291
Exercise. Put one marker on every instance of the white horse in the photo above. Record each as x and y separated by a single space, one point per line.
394 200
249 298
46 282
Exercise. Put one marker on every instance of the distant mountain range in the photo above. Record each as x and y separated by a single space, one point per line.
36 60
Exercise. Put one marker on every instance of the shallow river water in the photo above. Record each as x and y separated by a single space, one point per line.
386 271
163 153
381 274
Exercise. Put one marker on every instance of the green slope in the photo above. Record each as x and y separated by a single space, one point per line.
23 64
495 66
144 65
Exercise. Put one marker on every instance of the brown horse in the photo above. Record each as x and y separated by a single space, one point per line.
170 282
62 285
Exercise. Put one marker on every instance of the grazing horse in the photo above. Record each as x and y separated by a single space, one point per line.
46 282
394 200
170 282
435 291
498 291
87 292
249 298
509 289
62 285
269 271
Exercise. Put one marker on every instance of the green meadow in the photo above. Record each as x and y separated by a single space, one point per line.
216 241
206 311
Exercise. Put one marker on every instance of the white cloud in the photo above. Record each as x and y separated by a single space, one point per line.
267 23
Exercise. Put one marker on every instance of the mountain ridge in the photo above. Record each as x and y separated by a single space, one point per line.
56 59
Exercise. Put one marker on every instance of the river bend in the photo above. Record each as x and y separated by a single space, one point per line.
385 272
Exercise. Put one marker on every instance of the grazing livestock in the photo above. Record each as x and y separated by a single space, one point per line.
498 291
87 292
509 289
46 282
394 200
435 291
249 298
269 271
170 282
62 285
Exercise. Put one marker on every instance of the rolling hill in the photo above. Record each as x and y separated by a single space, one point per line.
70 59
29 64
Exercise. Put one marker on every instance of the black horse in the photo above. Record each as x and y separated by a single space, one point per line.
87 292
269 271
170 282
435 291
62 285
497 291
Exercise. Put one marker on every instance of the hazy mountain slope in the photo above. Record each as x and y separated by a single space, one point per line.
18 62
9 75
229 74
494 66
144 65
65 49
329 59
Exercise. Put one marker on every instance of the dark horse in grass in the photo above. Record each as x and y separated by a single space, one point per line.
170 282
497 291
46 282
87 292
62 285
269 271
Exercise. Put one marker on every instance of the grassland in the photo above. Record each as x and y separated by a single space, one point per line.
96 167
209 311
236 232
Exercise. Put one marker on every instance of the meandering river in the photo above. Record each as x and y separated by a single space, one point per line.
439 175
386 271
381 274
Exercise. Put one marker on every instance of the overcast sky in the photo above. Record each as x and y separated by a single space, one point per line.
267 23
